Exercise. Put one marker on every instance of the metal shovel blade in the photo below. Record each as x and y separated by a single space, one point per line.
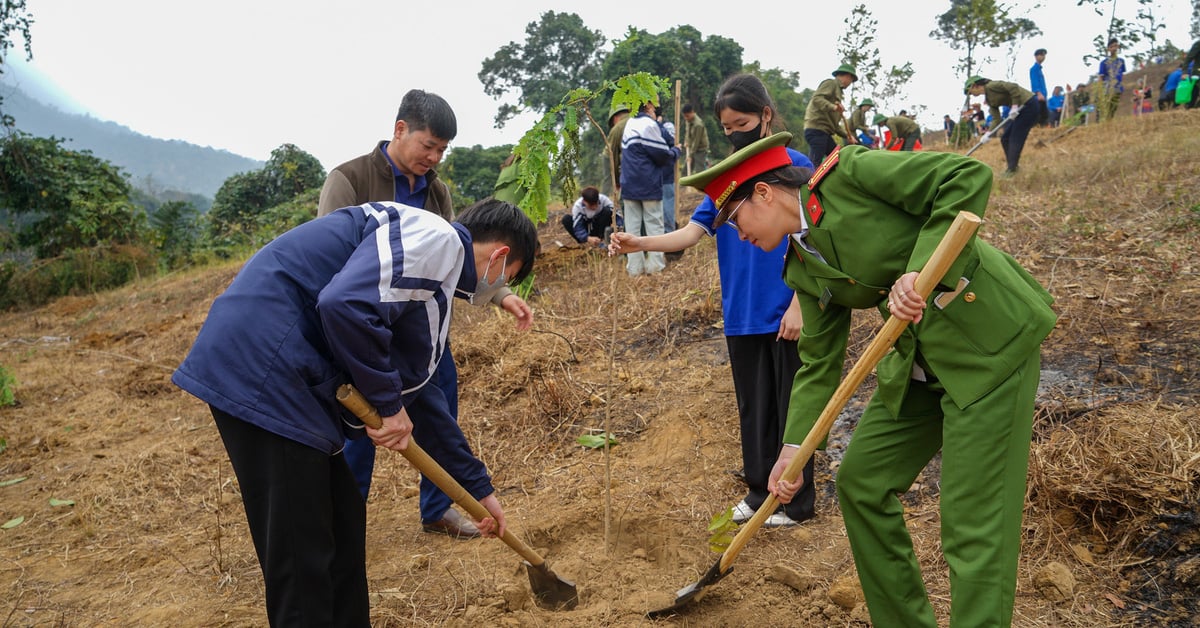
550 591
691 592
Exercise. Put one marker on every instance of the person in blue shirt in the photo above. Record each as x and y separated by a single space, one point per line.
762 318
1166 92
1055 105
361 296
1037 85
1112 75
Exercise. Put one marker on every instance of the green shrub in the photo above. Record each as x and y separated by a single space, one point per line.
76 271
8 387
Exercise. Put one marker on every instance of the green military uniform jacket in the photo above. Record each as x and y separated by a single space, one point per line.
858 120
878 215
697 137
902 126
999 94
822 113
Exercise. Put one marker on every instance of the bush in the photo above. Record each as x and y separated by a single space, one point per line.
77 271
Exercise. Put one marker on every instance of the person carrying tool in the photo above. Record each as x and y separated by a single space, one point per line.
1022 115
823 118
961 380
858 117
402 170
360 296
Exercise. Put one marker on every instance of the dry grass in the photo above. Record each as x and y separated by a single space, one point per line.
1106 217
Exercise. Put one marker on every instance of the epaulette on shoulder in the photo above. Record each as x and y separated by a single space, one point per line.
823 169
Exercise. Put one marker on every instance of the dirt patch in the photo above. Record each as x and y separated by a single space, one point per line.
156 535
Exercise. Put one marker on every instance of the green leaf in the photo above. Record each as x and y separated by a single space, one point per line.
722 530
54 501
12 523
13 481
596 441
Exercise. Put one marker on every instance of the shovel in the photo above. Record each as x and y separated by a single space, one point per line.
947 251
549 591
987 137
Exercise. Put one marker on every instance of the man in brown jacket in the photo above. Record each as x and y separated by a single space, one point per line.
823 118
401 170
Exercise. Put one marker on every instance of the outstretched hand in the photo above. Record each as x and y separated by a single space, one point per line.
624 242
520 310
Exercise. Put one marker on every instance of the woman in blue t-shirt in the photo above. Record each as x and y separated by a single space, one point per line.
762 317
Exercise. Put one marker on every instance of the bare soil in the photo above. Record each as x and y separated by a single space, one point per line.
1106 217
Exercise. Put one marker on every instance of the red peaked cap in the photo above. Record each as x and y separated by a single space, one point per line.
719 181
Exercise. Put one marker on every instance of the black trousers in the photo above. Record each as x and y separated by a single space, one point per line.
308 521
763 369
820 144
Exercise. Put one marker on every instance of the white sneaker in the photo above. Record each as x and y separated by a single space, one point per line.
779 520
742 512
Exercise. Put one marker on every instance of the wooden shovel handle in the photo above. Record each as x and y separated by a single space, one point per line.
943 257
354 401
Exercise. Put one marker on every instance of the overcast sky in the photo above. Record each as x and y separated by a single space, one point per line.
249 75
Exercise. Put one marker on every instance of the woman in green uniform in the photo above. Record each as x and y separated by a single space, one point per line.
962 378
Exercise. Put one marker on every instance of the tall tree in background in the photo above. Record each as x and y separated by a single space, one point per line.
242 200
856 47
14 19
559 54
976 26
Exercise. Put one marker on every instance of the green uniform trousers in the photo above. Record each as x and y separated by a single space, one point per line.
985 457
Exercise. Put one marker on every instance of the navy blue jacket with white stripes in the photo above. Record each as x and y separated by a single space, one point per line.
362 295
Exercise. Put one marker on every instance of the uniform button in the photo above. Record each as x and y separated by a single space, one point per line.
883 292
969 297
852 282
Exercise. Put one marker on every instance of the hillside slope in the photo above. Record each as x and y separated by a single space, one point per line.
1107 217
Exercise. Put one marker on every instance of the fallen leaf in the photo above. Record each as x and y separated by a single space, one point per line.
1117 602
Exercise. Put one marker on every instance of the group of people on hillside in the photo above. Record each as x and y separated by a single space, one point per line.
363 295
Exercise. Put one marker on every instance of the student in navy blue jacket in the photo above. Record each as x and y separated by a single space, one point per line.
363 296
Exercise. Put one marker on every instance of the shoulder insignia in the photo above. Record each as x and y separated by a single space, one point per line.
814 209
823 169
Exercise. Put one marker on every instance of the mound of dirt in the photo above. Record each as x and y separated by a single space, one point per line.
122 508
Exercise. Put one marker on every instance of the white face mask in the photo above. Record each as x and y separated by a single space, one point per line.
484 291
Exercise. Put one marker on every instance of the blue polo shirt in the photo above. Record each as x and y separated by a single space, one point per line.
414 197
753 294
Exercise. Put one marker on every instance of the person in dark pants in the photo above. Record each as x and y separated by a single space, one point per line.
1022 114
591 214
905 131
402 170
823 118
361 296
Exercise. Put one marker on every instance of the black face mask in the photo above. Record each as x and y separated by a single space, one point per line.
742 139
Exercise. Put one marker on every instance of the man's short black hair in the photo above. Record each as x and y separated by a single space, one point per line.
688 108
426 111
1039 51
590 195
492 220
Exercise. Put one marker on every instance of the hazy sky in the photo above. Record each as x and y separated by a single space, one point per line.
249 75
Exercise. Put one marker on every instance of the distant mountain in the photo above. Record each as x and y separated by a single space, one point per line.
153 164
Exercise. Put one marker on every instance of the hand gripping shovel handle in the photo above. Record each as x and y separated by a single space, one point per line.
943 257
550 591
355 402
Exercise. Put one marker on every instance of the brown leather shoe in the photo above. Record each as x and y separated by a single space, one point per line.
453 525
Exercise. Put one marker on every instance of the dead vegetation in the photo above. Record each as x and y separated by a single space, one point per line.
1106 217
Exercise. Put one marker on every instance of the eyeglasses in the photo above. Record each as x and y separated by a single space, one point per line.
730 220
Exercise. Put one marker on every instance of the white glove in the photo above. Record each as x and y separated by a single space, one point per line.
985 138
1013 111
